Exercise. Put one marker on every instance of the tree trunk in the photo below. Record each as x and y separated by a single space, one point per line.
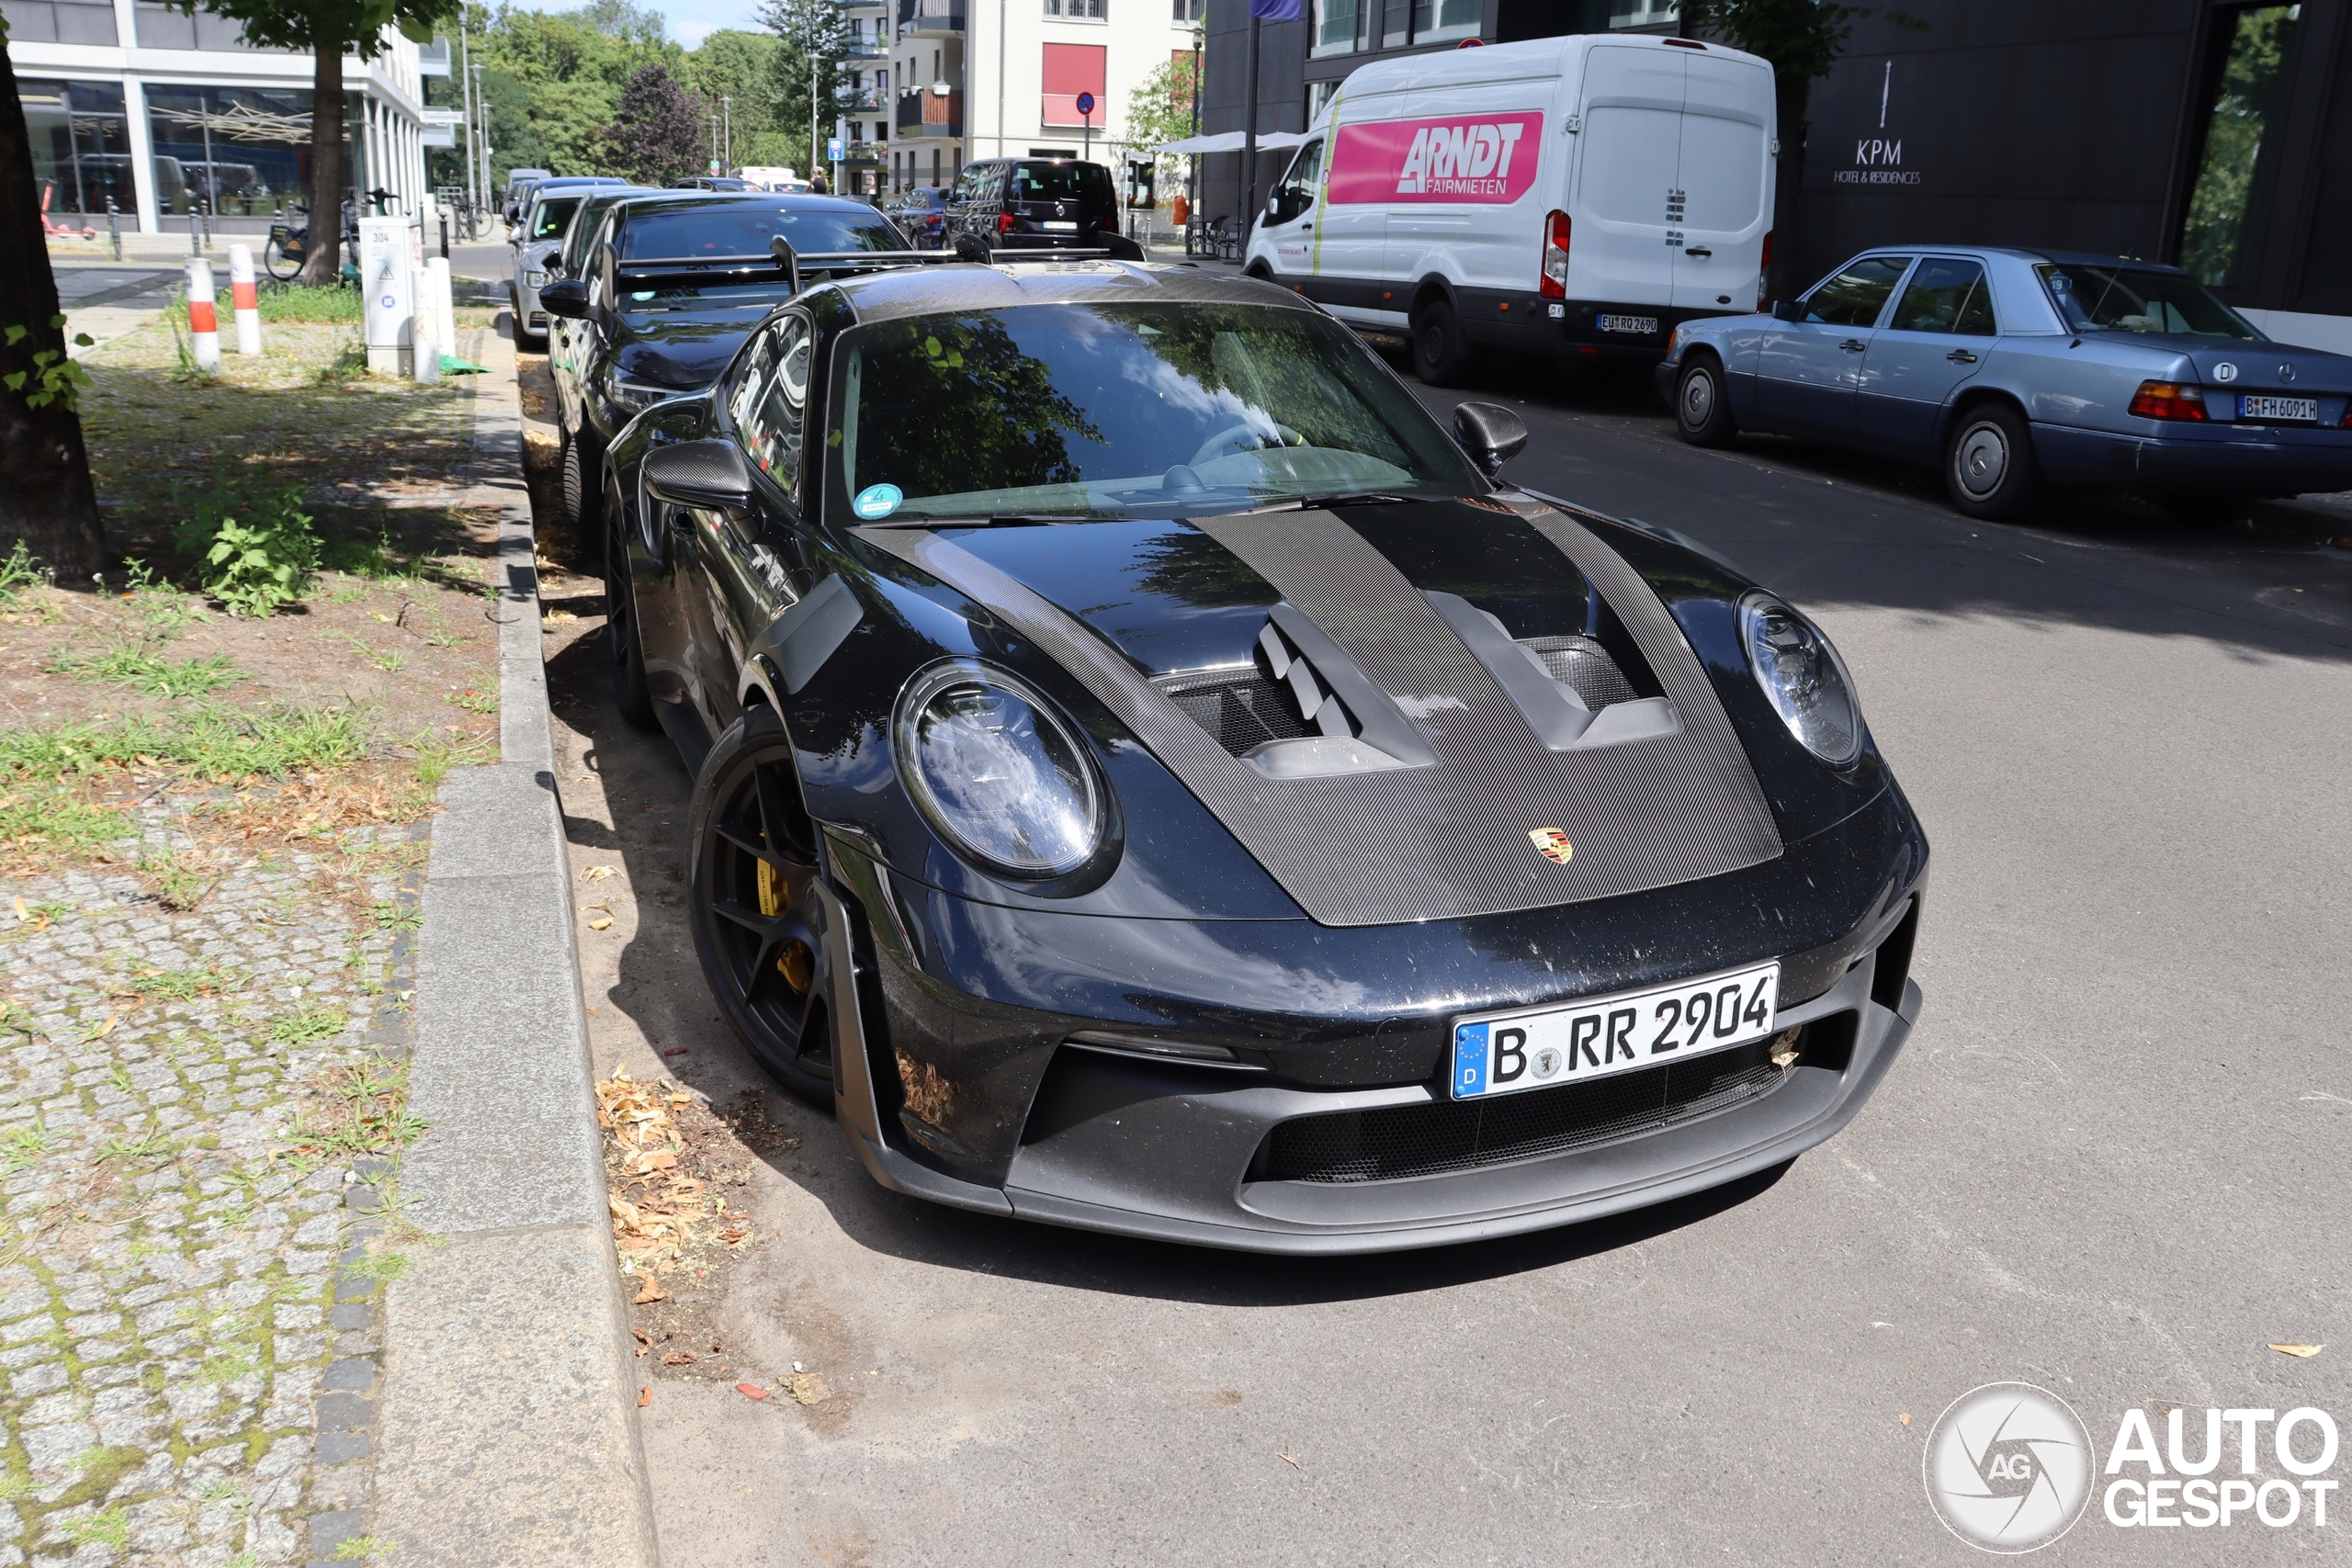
1790 93
322 252
45 498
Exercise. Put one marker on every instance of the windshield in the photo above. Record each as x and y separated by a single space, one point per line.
1148 410
744 229
552 218
657 294
2134 299
1060 182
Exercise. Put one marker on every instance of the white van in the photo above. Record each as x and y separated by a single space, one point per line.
1570 196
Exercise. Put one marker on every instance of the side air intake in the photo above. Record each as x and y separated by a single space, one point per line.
1300 708
1568 688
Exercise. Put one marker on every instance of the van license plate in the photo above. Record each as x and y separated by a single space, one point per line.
1051 224
1507 1052
1646 326
2303 409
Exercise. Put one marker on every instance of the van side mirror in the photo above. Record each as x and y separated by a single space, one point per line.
1493 433
1788 310
706 474
566 297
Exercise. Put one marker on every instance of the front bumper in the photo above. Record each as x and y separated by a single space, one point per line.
1182 1151
2234 459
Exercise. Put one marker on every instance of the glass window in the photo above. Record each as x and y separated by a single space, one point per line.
550 219
1335 26
1187 12
745 229
1946 295
1854 297
243 151
1113 411
81 145
1435 21
769 399
1090 183
1295 193
2140 299
2254 45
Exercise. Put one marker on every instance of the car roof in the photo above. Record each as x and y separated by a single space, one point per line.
899 292
580 180
2025 254
790 201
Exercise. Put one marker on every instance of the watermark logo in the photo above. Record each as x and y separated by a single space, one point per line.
2008 1467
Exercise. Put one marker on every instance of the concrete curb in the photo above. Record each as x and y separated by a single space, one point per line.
507 1428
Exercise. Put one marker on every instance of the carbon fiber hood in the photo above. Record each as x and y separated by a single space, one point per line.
1449 783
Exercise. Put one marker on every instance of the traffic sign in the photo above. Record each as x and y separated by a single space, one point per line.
1086 103
832 149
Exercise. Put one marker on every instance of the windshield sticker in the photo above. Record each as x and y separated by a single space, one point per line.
1486 160
876 501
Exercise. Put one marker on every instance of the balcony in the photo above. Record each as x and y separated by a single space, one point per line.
866 153
927 114
859 100
930 19
863 48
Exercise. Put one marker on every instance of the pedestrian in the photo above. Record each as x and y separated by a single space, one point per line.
817 185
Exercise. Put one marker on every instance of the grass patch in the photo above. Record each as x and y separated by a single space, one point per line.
306 1025
18 571
181 984
49 815
180 881
23 1147
133 665
475 701
212 741
306 302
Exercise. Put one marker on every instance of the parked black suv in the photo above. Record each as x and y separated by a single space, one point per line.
1038 204
666 290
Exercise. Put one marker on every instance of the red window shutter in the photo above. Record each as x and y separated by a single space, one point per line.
1072 69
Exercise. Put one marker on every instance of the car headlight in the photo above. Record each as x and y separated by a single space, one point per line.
997 771
1803 678
633 394
534 278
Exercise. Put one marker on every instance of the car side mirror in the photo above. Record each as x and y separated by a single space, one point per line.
1492 434
1788 310
706 474
566 297
971 248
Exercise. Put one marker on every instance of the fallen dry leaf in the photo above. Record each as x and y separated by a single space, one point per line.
679 1359
650 1291
23 916
2304 1351
644 1397
642 1337
753 1390
1904 1418
598 873
1284 1456
808 1388
600 923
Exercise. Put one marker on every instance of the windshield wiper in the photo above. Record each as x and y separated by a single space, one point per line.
1351 498
996 520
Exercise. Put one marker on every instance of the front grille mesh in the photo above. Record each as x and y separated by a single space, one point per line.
1583 666
1402 1141
1242 709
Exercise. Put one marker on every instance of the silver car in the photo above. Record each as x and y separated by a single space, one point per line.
2019 369
547 219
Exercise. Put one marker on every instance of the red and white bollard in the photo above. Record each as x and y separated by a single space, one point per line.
245 298
203 323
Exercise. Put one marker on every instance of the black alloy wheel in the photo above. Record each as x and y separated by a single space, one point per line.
573 478
1701 405
1439 357
757 925
1989 471
631 695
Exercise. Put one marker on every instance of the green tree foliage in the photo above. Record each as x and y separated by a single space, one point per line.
2253 76
809 30
657 135
1160 111
761 78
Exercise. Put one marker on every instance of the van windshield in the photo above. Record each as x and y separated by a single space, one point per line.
1090 183
1126 410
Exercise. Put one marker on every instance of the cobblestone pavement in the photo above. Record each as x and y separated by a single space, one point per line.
188 1374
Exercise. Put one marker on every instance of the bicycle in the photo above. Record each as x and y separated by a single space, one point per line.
289 245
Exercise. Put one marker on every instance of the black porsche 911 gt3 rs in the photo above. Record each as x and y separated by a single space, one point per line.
1151 778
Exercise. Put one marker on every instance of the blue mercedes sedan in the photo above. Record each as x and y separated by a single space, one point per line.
2017 370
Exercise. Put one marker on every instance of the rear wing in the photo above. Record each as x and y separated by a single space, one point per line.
782 257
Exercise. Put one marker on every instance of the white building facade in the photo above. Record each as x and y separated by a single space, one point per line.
168 115
972 79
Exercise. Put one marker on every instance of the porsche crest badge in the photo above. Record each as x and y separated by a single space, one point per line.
1551 845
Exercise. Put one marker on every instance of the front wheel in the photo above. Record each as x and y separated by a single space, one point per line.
1989 470
279 261
631 695
1439 357
757 925
1702 407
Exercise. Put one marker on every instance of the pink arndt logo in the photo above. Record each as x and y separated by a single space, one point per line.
1486 159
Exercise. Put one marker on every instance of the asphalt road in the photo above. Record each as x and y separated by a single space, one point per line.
2110 1161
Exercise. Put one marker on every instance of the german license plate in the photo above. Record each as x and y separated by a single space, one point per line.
1050 223
2303 409
1646 326
1545 1047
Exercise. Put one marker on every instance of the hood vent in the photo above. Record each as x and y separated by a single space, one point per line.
1554 681
1301 708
